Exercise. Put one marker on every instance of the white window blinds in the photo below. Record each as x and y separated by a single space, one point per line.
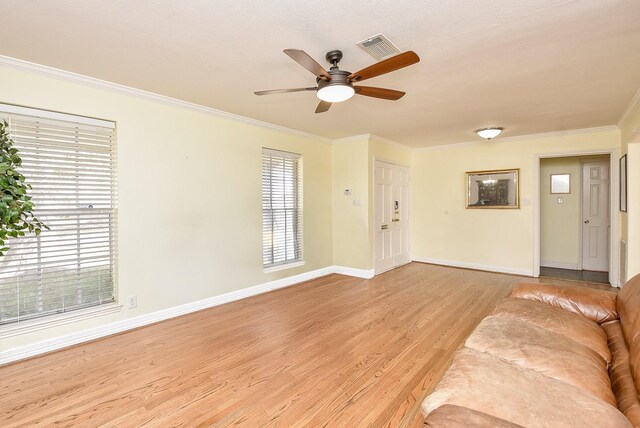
281 207
70 162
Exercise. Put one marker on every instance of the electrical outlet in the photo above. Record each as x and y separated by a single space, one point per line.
133 302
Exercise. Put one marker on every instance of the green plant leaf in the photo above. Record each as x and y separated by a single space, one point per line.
16 206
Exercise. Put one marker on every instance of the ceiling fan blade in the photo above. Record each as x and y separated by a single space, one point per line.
388 65
386 94
282 91
323 106
303 58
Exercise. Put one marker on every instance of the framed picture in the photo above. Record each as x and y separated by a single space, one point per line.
560 183
623 183
493 189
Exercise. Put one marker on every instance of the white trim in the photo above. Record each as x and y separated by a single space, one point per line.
41 323
635 102
520 138
283 266
559 265
476 266
359 137
358 273
69 76
60 342
373 137
614 215
48 114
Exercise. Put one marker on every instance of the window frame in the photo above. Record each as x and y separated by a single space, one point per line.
297 195
65 315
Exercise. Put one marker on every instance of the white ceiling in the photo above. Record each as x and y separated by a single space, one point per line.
531 66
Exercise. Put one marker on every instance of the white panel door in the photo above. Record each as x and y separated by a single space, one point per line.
391 216
595 216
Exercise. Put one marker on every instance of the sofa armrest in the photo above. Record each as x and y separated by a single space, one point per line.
597 305
452 416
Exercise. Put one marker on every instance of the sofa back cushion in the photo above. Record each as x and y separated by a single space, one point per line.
628 305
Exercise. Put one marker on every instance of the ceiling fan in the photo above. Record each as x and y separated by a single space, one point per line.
336 85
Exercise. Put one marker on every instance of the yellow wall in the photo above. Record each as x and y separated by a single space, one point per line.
350 213
633 213
353 168
561 223
630 224
189 196
503 240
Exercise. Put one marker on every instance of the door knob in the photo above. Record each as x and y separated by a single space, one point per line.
384 227
586 222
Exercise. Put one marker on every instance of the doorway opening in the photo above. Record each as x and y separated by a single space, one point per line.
575 217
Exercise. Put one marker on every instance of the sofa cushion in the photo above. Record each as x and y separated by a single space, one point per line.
488 384
551 354
628 305
557 320
597 305
450 416
620 372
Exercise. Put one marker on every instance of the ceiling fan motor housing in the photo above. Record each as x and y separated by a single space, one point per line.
338 78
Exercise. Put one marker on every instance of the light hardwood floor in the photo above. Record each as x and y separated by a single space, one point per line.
335 351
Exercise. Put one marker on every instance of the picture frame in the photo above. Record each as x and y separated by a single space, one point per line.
560 183
623 184
493 189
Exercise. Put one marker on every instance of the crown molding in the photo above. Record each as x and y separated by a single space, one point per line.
371 137
633 104
55 73
359 137
383 140
607 128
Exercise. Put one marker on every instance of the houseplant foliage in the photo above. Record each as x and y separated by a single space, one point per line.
16 207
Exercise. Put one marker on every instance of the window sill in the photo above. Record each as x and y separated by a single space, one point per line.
56 320
283 267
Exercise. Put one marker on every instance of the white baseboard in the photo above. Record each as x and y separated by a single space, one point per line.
559 265
477 266
60 342
358 273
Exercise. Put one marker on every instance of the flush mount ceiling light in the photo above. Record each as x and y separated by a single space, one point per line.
489 133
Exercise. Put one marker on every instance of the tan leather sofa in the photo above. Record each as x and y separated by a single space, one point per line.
547 356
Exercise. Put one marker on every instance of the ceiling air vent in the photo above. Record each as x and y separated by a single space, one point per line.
379 47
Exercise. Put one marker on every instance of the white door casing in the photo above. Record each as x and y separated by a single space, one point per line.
595 216
391 216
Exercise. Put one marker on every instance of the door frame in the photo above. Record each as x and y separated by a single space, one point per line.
372 229
614 215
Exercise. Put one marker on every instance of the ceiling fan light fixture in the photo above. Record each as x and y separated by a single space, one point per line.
489 133
336 93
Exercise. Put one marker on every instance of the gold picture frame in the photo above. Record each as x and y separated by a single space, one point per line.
493 189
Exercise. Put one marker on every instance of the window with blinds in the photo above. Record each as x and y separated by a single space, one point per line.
70 163
281 208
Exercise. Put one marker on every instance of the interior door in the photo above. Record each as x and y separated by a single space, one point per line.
391 216
595 216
